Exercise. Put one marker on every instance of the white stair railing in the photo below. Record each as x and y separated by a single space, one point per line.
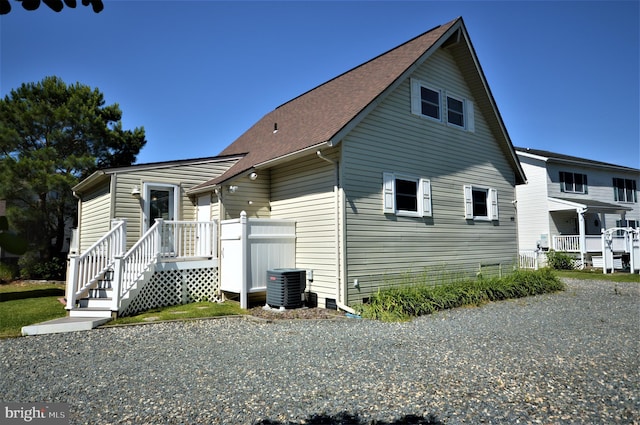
134 263
85 269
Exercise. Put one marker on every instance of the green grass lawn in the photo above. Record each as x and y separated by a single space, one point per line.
23 304
597 274
185 311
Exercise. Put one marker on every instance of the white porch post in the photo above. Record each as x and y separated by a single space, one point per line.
244 241
582 232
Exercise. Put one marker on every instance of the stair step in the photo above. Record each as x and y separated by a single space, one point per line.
96 302
100 293
90 312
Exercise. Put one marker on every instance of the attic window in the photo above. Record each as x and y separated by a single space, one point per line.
428 101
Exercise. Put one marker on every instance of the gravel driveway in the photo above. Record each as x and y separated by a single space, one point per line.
565 358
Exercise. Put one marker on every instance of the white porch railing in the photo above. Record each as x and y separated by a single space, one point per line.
85 269
571 243
183 239
165 240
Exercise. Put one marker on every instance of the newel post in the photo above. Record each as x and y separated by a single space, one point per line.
116 283
244 241
72 281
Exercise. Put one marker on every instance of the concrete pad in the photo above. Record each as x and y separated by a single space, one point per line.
64 324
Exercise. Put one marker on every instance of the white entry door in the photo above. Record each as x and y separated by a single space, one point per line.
160 201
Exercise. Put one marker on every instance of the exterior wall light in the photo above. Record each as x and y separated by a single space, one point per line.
135 192
232 189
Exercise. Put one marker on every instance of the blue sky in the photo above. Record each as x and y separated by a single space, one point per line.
197 74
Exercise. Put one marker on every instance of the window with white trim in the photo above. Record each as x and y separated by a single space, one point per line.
405 195
573 182
447 108
624 190
480 203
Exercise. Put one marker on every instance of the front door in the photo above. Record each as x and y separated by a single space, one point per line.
160 202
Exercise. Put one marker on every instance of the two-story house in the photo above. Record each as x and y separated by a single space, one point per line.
569 200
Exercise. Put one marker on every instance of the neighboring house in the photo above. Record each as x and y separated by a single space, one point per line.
569 200
399 167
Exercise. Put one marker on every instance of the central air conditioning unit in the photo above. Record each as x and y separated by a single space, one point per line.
285 287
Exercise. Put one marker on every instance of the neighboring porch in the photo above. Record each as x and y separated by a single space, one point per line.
579 227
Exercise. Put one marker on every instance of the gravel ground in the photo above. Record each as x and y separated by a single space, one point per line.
564 358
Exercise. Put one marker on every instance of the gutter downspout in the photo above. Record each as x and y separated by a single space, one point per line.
336 190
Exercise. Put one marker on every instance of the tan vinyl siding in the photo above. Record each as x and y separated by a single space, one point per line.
391 139
121 204
185 176
251 196
95 216
303 191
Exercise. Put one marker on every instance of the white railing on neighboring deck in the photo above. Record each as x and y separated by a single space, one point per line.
571 243
85 269
528 260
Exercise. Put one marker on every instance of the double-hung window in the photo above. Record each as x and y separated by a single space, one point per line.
437 104
480 203
405 195
624 190
455 111
573 182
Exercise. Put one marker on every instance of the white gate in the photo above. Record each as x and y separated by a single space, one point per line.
250 247
631 246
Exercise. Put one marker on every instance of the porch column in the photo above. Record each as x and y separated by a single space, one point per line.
582 232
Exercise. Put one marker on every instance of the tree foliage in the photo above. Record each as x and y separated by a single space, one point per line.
52 135
55 5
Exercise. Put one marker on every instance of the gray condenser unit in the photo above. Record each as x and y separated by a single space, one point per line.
285 287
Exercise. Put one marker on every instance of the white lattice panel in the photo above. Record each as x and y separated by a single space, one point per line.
173 287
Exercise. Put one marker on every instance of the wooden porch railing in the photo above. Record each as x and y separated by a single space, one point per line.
85 269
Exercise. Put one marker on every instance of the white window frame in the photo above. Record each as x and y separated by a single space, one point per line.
423 195
632 190
563 182
416 99
492 203
174 203
468 115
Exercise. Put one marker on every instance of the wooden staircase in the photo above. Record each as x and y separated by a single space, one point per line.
98 301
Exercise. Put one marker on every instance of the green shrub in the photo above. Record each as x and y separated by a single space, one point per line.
32 267
559 260
402 303
8 272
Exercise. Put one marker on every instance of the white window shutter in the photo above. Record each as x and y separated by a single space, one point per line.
468 202
468 106
388 193
425 189
493 198
416 99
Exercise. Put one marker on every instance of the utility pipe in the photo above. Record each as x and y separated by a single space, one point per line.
339 301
